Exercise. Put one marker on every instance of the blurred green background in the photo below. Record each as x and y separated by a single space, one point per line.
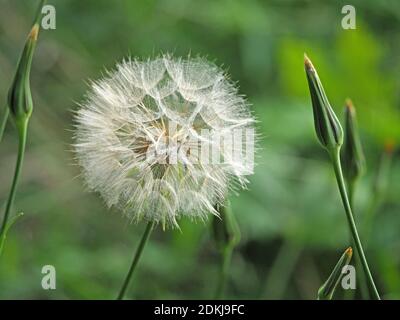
291 218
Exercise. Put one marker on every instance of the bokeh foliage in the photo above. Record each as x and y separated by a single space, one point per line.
291 218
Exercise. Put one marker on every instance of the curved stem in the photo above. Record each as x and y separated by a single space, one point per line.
223 275
20 158
350 219
135 260
3 121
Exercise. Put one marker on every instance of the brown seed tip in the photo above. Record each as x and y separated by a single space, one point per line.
34 32
307 63
349 252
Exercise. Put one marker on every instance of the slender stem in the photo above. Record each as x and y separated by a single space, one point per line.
20 158
223 275
3 121
135 260
350 219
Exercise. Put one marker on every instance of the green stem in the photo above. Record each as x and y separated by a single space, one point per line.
350 219
20 158
135 260
379 189
3 121
351 186
223 275
281 270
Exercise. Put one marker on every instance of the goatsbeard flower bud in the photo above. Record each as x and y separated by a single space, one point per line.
138 133
353 156
327 125
19 95
382 177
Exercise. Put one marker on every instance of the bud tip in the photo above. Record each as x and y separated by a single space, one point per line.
349 103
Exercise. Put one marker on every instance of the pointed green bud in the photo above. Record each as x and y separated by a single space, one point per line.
327 125
225 229
353 156
327 290
19 95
